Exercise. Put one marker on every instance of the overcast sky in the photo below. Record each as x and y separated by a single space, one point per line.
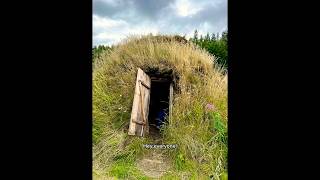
114 20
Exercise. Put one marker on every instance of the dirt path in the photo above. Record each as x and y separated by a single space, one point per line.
154 164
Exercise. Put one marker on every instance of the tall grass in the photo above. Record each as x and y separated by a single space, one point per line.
201 134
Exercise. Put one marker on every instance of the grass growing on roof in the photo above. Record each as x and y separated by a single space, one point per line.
200 133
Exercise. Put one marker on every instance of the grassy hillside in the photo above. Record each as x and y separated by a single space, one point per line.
199 118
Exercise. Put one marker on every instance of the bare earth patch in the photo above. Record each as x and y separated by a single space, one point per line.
154 164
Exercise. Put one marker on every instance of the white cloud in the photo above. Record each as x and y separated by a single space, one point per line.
99 22
186 8
109 31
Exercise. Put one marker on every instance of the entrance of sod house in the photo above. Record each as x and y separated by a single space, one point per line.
152 102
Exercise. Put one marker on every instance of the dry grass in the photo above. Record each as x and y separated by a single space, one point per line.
201 135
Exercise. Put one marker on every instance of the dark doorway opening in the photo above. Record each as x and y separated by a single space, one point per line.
159 104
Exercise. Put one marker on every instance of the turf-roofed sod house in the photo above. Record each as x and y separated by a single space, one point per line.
136 79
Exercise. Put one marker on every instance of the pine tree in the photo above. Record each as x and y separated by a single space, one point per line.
207 38
201 38
224 36
213 37
195 36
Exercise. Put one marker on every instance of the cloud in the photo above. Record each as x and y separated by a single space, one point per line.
151 8
186 8
114 20
109 31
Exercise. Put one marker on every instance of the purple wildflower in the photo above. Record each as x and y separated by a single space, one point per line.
210 107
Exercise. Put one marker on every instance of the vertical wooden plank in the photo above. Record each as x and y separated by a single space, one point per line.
170 102
135 107
140 107
145 85
146 106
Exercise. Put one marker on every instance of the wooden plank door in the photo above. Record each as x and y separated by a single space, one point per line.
140 108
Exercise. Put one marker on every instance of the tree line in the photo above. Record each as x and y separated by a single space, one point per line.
215 44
